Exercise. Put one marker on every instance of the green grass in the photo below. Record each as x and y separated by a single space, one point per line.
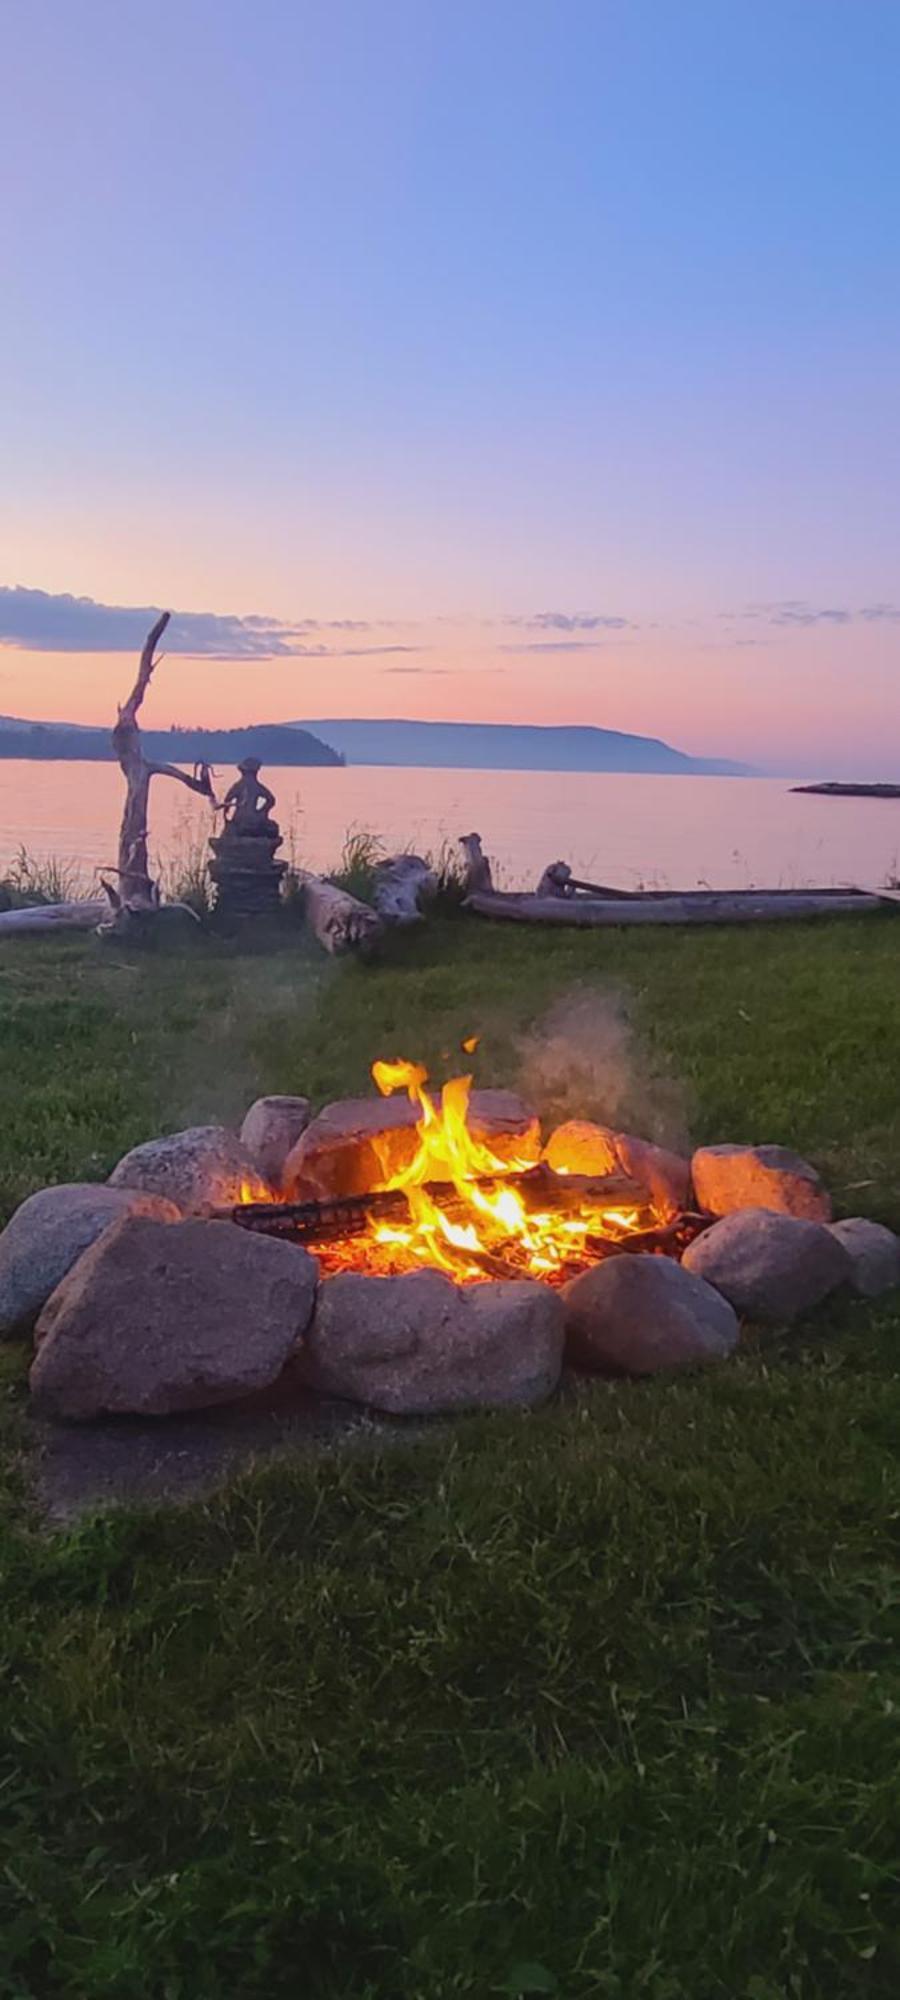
598 1700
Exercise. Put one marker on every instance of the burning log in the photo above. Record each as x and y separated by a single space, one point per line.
339 921
401 885
538 1189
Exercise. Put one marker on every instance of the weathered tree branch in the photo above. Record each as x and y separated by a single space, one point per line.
136 888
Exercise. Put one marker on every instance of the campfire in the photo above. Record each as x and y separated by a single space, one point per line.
457 1206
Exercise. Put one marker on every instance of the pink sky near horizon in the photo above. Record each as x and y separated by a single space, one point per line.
788 700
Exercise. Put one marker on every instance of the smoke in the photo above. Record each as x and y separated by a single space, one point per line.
587 1060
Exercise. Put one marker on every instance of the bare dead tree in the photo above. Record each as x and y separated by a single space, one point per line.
135 890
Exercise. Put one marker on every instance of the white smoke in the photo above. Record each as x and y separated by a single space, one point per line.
587 1060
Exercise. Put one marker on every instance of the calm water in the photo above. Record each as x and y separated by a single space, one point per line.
658 831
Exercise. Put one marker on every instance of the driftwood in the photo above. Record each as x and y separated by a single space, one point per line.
339 921
477 879
558 880
135 889
699 906
84 916
402 884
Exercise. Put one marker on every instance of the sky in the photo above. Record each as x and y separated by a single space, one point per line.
527 360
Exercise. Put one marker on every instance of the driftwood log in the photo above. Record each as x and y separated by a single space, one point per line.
339 921
402 885
693 907
134 888
477 878
83 916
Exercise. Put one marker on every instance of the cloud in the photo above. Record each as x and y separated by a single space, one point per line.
410 670
569 621
41 621
555 646
795 611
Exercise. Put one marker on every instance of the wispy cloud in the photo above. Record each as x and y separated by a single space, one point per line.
795 611
42 621
568 621
554 646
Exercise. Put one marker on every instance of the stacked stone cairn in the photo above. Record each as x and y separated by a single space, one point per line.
139 1303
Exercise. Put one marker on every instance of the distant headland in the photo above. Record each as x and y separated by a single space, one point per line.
475 746
832 790
509 746
272 743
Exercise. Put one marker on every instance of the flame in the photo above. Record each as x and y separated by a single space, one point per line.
489 1231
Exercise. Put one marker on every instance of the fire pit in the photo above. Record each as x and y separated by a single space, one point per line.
415 1252
456 1206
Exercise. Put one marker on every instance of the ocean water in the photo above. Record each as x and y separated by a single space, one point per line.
630 831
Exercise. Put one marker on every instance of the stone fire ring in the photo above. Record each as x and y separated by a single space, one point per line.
140 1304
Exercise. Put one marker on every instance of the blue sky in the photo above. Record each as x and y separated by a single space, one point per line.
417 326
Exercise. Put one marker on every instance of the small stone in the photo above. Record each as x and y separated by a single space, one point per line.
727 1178
205 1167
637 1315
418 1344
874 1254
159 1317
770 1266
581 1147
272 1126
362 1143
47 1235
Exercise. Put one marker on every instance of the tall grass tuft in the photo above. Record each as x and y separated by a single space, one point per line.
31 879
360 855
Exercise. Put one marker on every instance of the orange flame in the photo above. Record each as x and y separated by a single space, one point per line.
492 1231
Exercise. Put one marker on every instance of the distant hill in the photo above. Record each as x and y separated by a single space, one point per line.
474 746
510 746
272 743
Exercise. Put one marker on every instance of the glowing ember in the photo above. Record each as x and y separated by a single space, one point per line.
478 1231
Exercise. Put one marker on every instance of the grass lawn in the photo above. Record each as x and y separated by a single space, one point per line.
598 1700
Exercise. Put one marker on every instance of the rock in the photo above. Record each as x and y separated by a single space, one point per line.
272 1126
418 1344
361 1143
666 1174
727 1178
202 1168
47 1235
770 1267
580 1147
874 1254
638 1315
159 1317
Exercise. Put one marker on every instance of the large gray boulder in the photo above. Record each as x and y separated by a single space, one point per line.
638 1315
727 1178
418 1344
362 1143
203 1168
770 1267
48 1234
874 1254
271 1128
156 1318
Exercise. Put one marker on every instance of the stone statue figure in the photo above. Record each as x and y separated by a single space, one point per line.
248 803
244 869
